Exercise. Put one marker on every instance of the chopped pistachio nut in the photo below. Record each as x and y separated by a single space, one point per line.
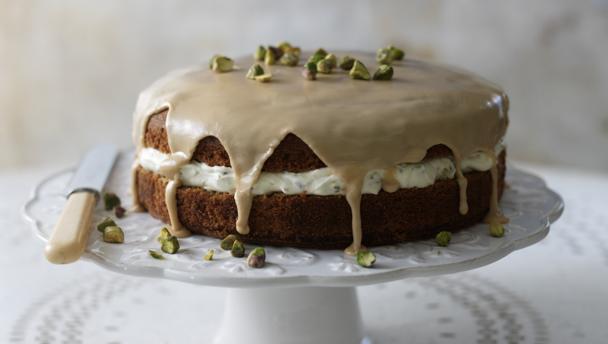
324 66
171 245
260 53
264 77
346 63
238 249
105 223
110 200
321 52
384 72
213 59
396 53
271 57
227 242
317 56
443 238
289 59
277 51
383 56
113 235
257 258
222 64
359 71
285 46
310 71
366 258
497 230
163 235
209 255
119 212
156 255
332 60
296 51
254 71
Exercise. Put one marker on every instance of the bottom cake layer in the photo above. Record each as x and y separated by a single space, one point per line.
324 222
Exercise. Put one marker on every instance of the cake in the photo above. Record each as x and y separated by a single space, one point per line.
328 164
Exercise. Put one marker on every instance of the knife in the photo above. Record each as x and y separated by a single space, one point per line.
71 233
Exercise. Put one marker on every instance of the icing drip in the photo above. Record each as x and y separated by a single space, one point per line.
243 199
354 127
353 196
170 168
171 200
389 182
246 176
134 194
494 214
463 206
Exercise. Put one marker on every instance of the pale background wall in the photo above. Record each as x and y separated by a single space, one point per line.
70 70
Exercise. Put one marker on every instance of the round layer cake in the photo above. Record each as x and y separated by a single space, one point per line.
321 164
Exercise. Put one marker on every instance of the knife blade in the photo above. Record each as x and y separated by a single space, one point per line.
70 235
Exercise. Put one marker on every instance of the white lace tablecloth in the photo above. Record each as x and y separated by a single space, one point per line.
553 292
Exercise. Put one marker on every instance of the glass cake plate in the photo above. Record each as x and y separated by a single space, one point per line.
302 295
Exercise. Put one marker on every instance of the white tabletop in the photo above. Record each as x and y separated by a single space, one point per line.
553 292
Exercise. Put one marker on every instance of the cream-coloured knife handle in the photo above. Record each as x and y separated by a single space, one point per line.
71 232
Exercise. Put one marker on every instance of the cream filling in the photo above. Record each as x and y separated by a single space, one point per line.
316 182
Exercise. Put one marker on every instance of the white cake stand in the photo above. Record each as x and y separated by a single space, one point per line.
301 296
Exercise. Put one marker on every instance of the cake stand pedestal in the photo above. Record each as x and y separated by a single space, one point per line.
293 315
300 296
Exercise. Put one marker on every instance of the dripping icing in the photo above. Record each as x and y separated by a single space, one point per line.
244 184
463 205
389 182
133 190
494 215
171 202
353 197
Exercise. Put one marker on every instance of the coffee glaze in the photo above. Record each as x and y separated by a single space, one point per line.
353 126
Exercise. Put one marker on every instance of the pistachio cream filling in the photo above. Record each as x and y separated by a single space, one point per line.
316 182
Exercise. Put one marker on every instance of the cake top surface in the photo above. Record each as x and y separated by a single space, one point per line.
354 126
341 119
